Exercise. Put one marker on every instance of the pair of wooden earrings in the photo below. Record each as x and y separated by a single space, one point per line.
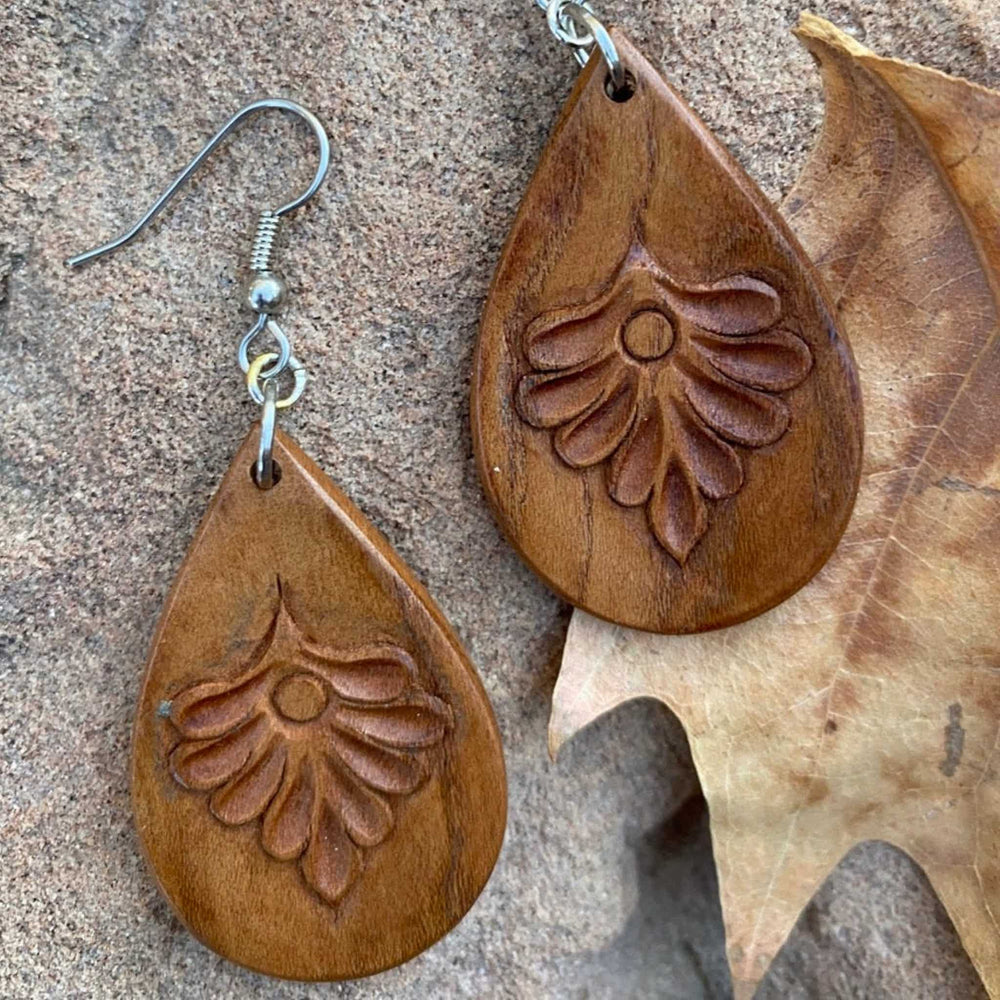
667 423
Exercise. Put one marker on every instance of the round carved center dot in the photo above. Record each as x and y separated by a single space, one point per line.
299 697
648 335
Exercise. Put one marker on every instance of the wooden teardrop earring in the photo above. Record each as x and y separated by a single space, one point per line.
666 418
317 775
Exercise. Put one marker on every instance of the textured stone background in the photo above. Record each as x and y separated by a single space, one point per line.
121 405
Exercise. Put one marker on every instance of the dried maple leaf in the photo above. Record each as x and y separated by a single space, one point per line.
868 705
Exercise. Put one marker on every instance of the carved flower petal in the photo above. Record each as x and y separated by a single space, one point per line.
384 769
715 465
553 399
594 435
285 830
211 709
634 466
773 361
740 414
367 817
733 306
248 794
331 861
563 338
206 764
677 512
421 722
371 674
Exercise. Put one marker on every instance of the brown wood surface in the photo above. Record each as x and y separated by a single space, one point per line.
317 775
666 419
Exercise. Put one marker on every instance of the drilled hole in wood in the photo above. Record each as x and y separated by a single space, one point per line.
276 474
623 93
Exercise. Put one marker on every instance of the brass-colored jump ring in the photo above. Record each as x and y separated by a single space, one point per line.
253 379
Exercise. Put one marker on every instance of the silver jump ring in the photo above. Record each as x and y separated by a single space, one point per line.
565 26
265 450
598 35
255 374
284 355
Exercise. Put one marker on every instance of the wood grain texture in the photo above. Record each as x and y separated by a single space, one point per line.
666 419
317 775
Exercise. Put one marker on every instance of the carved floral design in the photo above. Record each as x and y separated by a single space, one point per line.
660 381
316 743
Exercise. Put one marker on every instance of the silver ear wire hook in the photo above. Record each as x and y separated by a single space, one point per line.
267 289
274 103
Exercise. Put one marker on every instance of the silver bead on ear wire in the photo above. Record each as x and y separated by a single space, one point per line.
266 290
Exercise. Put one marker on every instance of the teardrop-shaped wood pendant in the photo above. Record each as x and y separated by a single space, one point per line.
317 775
666 419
